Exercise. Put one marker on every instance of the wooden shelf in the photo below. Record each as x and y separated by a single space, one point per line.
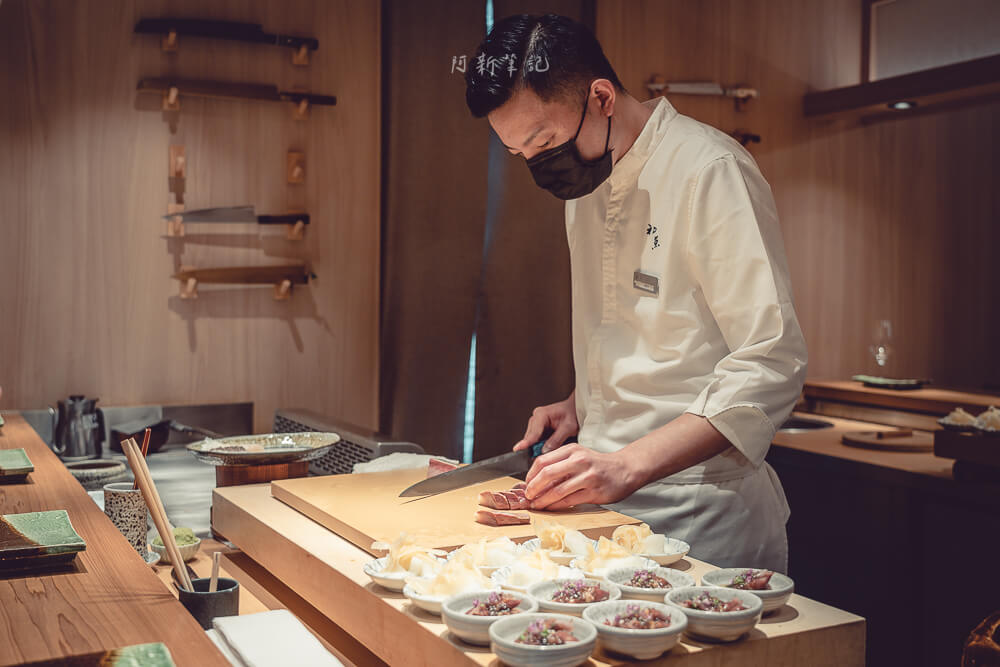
939 89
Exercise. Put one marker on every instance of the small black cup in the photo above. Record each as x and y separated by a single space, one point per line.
205 606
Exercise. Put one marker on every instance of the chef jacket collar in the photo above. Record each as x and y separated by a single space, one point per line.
630 164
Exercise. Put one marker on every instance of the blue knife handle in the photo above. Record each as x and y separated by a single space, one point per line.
536 449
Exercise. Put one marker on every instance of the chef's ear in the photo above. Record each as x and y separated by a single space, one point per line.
606 94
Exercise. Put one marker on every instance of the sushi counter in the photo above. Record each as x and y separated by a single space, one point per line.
104 600
319 574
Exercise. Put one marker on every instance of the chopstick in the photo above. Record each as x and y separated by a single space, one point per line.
155 505
145 451
214 583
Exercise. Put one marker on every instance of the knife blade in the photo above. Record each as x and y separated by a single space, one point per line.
238 214
231 30
229 90
504 465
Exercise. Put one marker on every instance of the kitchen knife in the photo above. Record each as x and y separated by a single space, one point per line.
238 214
231 30
228 90
512 463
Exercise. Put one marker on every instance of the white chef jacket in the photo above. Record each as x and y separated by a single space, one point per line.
687 209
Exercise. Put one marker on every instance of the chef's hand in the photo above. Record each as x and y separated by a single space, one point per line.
557 418
573 475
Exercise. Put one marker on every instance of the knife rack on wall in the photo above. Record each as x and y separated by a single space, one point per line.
283 277
172 89
172 28
294 221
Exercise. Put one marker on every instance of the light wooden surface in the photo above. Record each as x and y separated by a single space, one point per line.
827 442
326 570
366 507
87 300
109 598
891 221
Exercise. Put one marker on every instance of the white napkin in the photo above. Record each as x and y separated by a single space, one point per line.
273 639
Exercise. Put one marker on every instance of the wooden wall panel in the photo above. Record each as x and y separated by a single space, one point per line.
87 304
889 221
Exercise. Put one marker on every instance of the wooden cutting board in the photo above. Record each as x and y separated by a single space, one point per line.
365 507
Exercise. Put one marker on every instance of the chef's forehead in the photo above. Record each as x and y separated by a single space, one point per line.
524 113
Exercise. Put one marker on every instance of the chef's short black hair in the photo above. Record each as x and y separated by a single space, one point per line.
553 56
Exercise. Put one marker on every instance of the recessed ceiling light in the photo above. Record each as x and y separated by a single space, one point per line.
902 105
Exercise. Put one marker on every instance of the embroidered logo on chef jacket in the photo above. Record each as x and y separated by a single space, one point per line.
647 283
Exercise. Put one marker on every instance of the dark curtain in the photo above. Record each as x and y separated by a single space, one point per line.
470 244
433 208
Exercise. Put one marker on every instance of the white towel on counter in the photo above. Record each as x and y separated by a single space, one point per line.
271 639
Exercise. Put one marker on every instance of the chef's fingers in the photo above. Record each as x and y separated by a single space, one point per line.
536 427
556 440
558 492
578 497
547 459
549 475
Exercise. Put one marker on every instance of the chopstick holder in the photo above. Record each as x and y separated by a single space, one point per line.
152 498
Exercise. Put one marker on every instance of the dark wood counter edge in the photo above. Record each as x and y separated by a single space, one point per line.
109 598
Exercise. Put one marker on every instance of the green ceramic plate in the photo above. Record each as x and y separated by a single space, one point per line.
37 539
139 655
14 463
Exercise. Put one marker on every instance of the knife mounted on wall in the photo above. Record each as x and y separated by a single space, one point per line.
236 214
229 30
227 90
282 276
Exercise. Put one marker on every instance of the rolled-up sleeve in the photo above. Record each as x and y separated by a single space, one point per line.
736 256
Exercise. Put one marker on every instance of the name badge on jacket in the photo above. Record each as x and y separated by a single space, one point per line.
645 282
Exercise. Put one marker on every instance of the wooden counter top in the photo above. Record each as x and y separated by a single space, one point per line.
932 400
110 598
326 570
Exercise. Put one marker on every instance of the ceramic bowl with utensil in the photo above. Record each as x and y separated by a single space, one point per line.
725 626
642 644
579 636
475 628
638 583
188 551
779 588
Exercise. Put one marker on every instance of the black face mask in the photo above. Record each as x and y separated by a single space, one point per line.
562 171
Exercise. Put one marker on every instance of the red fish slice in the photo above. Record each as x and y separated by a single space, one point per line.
489 518
437 466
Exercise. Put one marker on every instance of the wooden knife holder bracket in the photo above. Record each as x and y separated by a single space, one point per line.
189 289
172 99
301 56
283 290
175 225
296 232
295 167
301 110
169 42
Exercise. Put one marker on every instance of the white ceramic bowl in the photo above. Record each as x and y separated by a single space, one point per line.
675 550
188 551
640 644
675 578
394 581
773 598
476 629
726 626
507 629
543 591
431 603
641 562
561 557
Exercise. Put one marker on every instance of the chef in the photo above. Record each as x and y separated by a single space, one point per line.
686 346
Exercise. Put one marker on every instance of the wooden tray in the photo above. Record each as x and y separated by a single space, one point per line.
917 441
365 507
968 446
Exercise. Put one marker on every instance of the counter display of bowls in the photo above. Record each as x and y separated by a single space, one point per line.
726 626
475 628
637 641
651 577
587 591
779 587
510 639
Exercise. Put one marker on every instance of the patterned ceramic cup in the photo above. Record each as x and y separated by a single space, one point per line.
127 510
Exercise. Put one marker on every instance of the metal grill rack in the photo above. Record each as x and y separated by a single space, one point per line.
357 444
